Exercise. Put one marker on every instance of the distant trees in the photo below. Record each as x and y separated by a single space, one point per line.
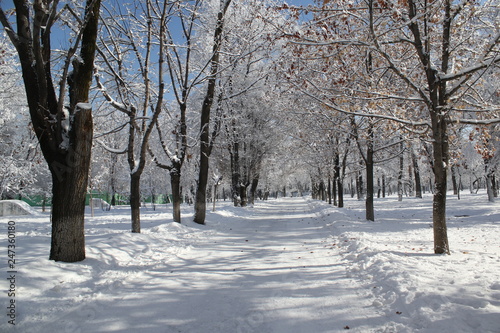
61 117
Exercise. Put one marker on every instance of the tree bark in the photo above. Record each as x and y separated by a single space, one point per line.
329 190
400 173
440 147
175 183
235 172
135 201
69 188
253 188
370 211
416 171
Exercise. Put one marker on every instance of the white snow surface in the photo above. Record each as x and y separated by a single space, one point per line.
286 265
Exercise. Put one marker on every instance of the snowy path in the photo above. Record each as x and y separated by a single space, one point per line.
269 271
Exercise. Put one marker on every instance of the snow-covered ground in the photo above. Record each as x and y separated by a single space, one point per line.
286 265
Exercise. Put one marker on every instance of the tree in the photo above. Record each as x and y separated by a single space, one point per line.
141 103
64 130
179 59
206 143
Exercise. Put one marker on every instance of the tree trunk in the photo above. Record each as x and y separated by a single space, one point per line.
416 171
383 186
235 172
65 139
370 211
329 190
359 186
253 189
135 201
69 188
400 173
454 179
334 191
243 194
175 183
440 154
379 188
489 179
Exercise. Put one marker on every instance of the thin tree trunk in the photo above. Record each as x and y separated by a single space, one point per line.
383 186
416 170
400 173
235 173
454 179
370 210
329 190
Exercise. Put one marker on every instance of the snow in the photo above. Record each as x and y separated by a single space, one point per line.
83 106
286 265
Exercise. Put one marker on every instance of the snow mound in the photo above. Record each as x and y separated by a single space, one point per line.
16 207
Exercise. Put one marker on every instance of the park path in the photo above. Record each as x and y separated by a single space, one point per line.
270 268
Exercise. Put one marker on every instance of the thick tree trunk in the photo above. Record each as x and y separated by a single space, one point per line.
135 202
440 154
175 183
244 194
69 187
253 189
200 204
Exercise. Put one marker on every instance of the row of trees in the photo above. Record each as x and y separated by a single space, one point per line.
259 94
